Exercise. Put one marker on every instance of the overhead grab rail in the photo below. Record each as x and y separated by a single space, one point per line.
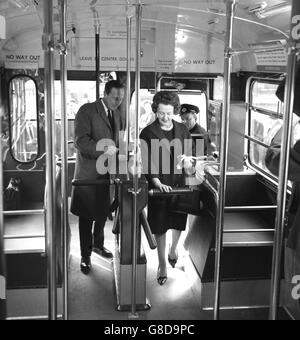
211 11
257 50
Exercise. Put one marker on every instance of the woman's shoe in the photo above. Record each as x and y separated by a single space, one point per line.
173 261
161 279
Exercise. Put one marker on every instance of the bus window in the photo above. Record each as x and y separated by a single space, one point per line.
264 97
218 88
146 115
79 92
265 120
23 119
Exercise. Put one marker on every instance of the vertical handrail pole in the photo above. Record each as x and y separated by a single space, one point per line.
135 158
223 153
128 82
284 164
2 257
64 153
48 46
97 51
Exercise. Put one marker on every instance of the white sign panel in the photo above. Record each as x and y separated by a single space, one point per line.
113 56
23 52
2 27
165 46
270 61
197 54
22 60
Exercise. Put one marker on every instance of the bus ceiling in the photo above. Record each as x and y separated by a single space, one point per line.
177 36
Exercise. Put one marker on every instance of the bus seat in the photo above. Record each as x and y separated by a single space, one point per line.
26 261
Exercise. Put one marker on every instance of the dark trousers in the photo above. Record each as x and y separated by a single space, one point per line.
90 237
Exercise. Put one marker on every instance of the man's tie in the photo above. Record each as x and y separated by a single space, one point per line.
111 119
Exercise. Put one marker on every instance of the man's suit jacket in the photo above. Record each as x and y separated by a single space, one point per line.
92 125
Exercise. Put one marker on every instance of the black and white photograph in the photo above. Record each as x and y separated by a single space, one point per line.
149 163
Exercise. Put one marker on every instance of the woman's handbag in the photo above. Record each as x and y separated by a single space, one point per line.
189 203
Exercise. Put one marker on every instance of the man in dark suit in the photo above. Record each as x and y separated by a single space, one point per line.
94 122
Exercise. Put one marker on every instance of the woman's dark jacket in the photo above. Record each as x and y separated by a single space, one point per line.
153 158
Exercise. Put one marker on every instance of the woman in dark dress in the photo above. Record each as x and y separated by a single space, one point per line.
159 165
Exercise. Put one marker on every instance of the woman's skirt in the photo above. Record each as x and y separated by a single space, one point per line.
161 217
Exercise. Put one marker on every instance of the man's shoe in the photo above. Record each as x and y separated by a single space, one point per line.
85 265
103 252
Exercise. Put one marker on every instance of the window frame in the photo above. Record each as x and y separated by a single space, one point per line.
207 78
10 121
252 108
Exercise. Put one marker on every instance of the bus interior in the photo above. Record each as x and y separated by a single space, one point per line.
227 57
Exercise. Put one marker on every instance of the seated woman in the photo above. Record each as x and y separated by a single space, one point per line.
188 115
160 215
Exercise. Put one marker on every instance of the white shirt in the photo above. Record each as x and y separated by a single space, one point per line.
105 107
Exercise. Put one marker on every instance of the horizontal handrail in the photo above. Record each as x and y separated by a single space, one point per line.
176 191
235 244
233 231
209 176
24 212
90 182
14 237
251 207
37 317
257 141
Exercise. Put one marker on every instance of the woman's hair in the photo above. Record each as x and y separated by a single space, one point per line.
166 98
